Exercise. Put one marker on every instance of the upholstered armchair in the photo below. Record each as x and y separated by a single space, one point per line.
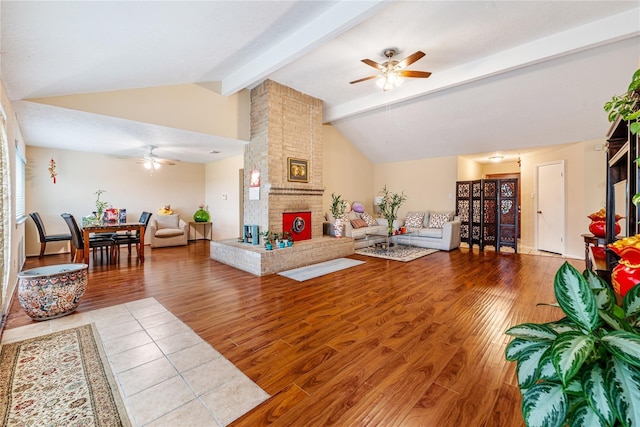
168 230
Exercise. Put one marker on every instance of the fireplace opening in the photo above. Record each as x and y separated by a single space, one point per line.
298 223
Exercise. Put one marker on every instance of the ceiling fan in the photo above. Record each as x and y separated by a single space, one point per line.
151 161
391 70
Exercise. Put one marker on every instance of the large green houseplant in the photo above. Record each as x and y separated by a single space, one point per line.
626 105
583 369
389 206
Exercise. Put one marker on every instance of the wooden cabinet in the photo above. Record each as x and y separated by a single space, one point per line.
488 211
622 183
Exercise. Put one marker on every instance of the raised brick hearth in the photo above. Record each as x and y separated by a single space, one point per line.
257 260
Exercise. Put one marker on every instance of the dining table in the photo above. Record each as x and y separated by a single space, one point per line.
114 227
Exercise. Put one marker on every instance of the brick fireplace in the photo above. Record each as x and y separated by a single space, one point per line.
286 125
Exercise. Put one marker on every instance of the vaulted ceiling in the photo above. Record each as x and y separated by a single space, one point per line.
508 76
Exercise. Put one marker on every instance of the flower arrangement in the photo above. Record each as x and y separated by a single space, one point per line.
100 204
338 206
389 205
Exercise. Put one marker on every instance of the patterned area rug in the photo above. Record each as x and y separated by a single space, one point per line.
400 253
59 379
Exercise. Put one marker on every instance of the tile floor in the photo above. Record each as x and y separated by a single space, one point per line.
166 373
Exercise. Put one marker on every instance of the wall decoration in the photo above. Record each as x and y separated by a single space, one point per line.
52 169
297 170
254 184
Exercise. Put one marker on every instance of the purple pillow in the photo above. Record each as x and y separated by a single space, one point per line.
357 207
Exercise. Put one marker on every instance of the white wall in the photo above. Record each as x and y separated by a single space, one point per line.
427 183
223 179
585 178
127 184
346 171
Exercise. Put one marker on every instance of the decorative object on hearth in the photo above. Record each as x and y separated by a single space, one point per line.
267 238
201 215
598 226
389 206
338 210
583 369
52 170
626 274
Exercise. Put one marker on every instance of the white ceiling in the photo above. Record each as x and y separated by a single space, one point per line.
507 75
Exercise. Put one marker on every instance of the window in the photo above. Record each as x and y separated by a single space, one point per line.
21 164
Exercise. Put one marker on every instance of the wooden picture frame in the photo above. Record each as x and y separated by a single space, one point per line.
297 170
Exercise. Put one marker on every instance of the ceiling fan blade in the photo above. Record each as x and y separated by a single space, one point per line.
409 73
363 79
167 162
373 64
410 59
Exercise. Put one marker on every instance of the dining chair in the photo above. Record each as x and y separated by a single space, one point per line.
46 238
130 238
101 243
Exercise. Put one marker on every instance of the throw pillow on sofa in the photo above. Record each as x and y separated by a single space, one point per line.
167 221
371 222
414 219
439 219
358 223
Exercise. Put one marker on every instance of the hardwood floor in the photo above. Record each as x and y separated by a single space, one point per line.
383 343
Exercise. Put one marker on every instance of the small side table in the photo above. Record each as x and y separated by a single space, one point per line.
590 239
204 225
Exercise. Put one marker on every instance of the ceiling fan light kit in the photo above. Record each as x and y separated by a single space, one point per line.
392 71
153 162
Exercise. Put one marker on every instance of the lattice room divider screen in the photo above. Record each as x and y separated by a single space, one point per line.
488 210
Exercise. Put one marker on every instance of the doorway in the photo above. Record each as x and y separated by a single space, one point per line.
549 215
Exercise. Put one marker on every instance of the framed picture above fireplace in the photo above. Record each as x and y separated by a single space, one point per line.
297 170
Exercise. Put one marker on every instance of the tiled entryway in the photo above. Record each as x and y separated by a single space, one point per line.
166 373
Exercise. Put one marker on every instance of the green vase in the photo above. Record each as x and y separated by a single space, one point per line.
201 216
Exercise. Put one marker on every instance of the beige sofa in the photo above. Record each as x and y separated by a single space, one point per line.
441 234
436 230
168 230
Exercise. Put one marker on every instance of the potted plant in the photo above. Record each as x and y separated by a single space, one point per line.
268 239
100 205
389 204
627 106
287 238
338 209
583 369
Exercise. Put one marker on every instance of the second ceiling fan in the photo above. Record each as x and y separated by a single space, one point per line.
391 70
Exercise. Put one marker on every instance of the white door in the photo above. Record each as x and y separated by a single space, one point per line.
550 209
